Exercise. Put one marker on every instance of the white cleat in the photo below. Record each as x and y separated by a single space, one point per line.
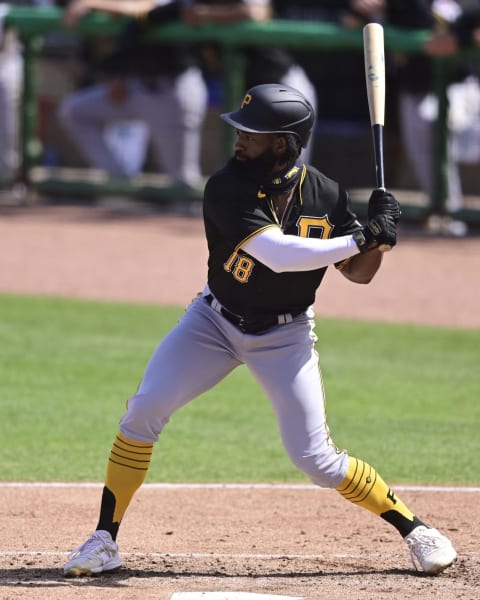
99 554
431 549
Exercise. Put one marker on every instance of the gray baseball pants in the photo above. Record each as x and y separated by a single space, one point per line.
204 347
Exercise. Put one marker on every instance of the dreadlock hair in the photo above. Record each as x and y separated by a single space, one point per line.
294 147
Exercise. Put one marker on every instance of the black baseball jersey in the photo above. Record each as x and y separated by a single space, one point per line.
235 208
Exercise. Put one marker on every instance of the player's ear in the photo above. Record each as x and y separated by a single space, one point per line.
279 145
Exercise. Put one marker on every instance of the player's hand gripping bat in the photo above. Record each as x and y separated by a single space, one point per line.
373 49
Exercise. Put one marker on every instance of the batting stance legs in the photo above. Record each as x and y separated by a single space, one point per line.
285 363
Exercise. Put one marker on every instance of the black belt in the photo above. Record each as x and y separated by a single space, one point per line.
253 327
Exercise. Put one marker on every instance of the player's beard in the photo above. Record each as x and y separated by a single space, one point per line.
260 168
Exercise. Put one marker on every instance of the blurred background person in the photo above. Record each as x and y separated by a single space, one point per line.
264 64
418 105
160 85
11 71
11 82
461 33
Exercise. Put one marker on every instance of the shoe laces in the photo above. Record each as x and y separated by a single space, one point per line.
422 545
94 543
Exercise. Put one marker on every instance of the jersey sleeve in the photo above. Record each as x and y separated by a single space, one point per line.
349 222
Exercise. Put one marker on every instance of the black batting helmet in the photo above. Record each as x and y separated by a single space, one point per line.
274 108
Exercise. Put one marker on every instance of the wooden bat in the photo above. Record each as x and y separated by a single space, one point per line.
374 54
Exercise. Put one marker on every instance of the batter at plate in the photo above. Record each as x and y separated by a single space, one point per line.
273 225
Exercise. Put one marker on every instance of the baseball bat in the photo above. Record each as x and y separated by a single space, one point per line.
374 54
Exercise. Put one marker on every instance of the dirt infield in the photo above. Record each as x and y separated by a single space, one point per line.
297 542
300 542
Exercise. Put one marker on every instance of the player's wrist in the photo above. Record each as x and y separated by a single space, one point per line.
364 240
380 230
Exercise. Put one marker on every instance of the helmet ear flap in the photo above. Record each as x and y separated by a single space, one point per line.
274 108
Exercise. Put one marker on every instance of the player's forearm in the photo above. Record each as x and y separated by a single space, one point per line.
281 253
362 267
224 14
129 8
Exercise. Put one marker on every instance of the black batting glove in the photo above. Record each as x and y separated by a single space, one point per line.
381 229
382 202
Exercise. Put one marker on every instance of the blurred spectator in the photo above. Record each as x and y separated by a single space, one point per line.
418 105
160 85
461 33
11 80
263 64
11 65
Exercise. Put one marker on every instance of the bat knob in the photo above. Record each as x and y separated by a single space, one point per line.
384 248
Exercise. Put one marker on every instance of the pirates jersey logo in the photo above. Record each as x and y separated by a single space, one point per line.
314 227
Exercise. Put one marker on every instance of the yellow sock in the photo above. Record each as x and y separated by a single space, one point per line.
364 486
126 471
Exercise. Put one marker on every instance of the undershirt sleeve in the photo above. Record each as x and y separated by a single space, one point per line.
281 253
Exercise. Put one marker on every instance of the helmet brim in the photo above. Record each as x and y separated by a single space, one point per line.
237 119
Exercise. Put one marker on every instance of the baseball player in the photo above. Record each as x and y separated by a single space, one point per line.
273 226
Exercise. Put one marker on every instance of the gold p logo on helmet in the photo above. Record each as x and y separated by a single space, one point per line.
246 100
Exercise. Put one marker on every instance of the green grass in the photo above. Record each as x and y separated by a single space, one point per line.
405 398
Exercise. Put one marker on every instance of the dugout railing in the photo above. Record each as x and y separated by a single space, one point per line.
33 24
